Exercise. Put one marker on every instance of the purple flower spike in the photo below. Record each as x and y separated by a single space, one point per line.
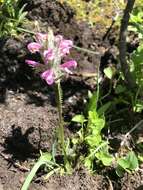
52 49
68 65
48 76
48 55
32 63
34 47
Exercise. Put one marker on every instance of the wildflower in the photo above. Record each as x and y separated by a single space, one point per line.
52 49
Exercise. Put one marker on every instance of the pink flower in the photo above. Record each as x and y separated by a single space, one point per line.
48 55
40 37
65 46
52 49
34 47
48 76
32 63
68 65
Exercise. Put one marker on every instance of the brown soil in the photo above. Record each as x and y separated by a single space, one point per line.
27 128
28 116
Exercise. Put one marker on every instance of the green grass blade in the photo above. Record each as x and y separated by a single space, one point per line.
32 174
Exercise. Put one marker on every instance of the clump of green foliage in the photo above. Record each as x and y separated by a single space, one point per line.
135 60
90 135
137 65
11 16
136 57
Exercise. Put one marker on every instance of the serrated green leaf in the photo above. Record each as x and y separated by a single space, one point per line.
109 72
93 140
95 123
130 162
123 163
78 119
105 158
133 161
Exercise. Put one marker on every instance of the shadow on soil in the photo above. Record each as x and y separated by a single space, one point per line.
18 145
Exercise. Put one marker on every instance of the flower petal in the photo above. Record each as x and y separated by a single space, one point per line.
65 46
34 47
32 63
48 76
48 54
58 38
68 65
41 37
66 43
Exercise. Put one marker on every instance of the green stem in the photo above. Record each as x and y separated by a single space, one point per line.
98 90
86 50
58 92
82 132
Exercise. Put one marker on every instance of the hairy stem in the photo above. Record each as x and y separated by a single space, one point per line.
58 92
123 45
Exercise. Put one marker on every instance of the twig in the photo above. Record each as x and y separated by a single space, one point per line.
127 134
20 167
86 50
123 45
114 19
110 184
